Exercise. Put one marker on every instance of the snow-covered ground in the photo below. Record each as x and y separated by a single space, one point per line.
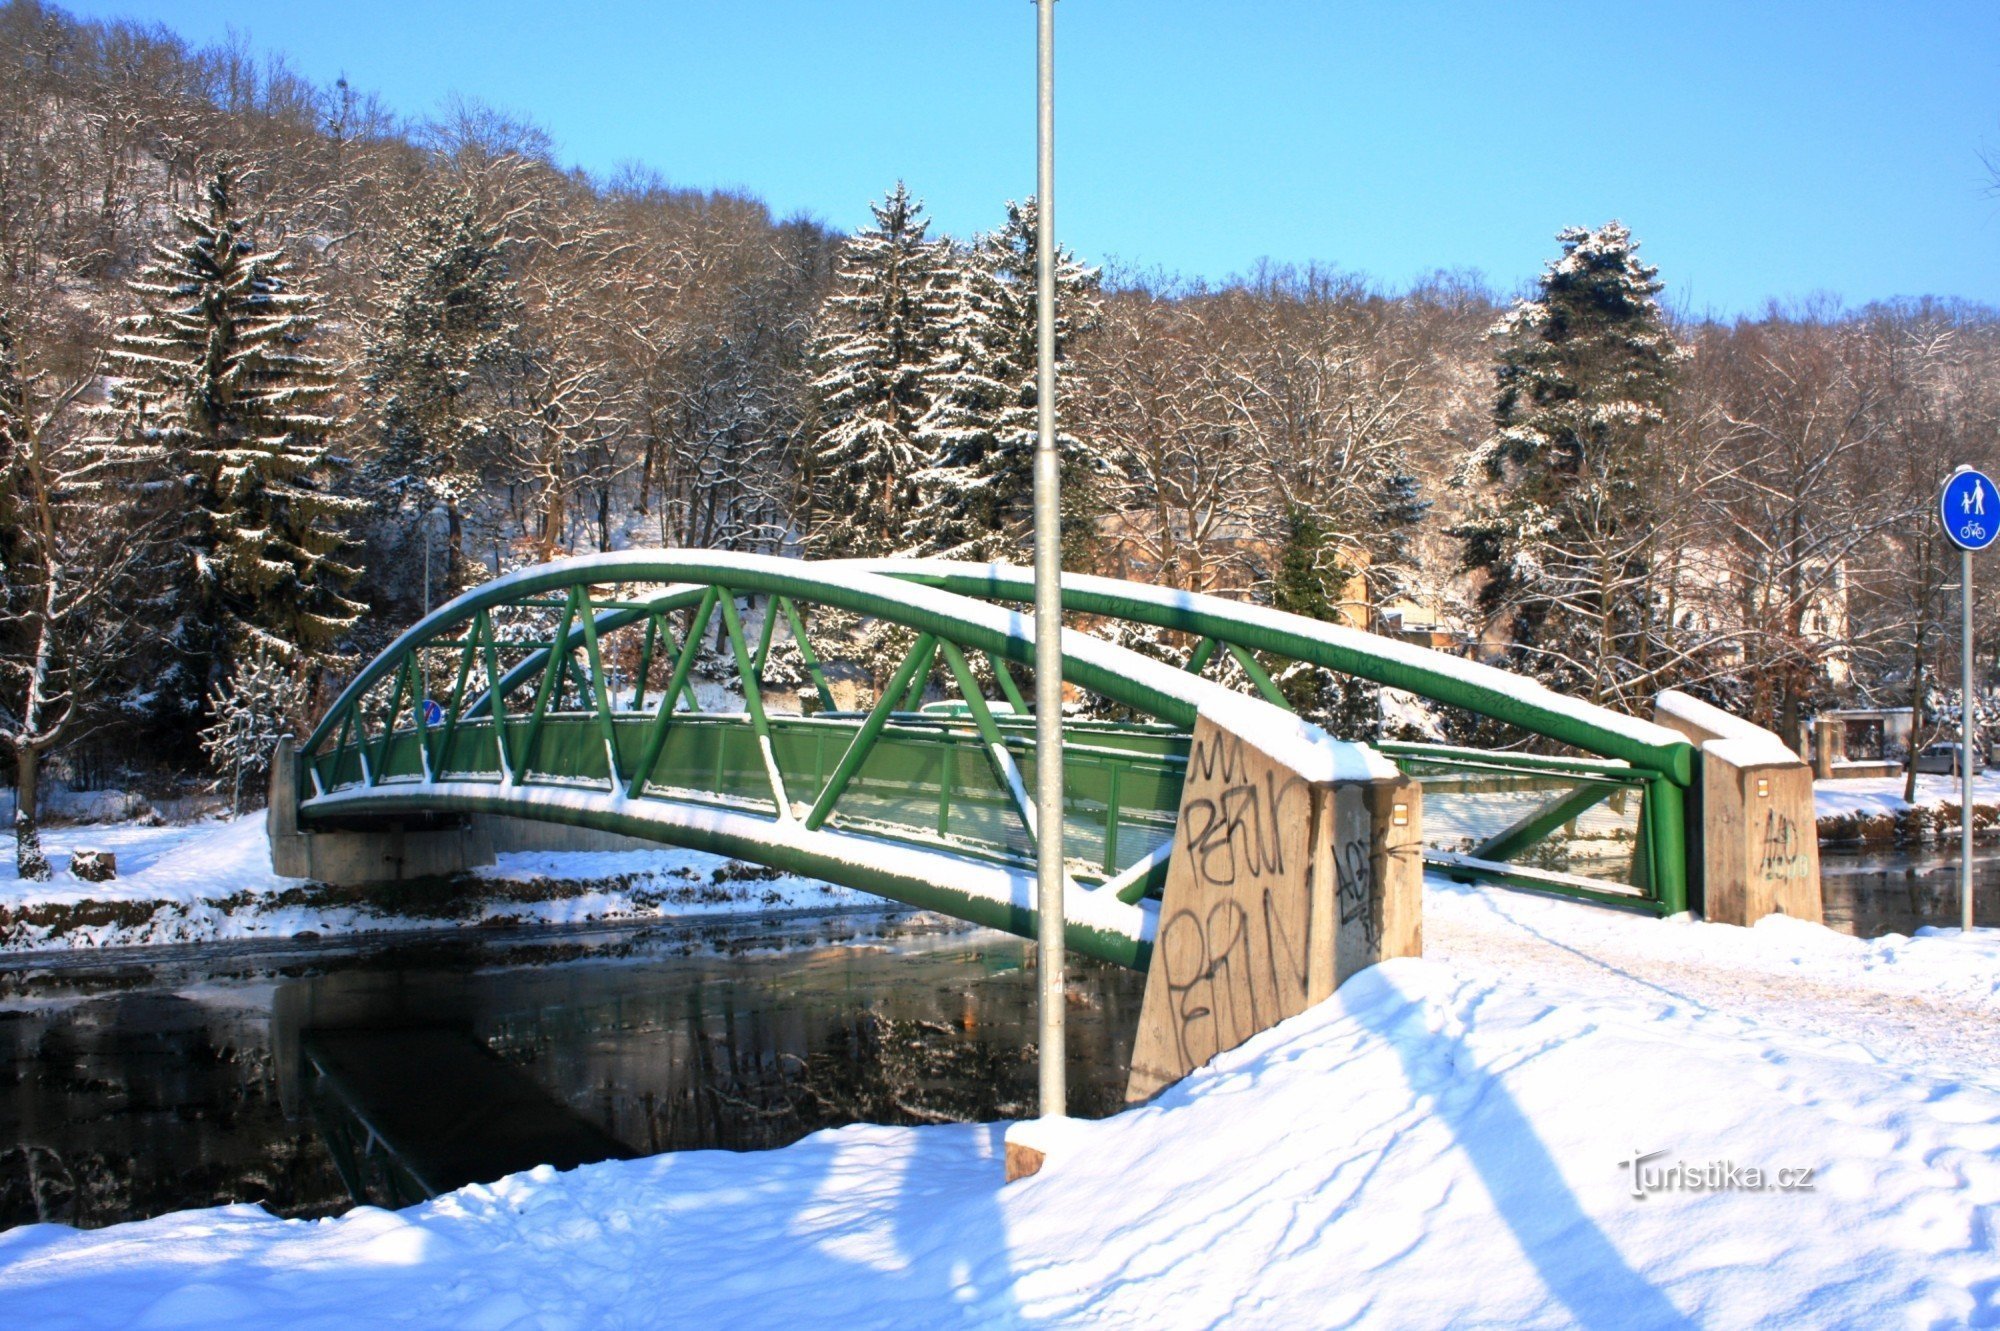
1871 796
1446 1142
212 880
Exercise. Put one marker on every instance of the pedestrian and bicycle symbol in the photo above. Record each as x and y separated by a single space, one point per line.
1970 508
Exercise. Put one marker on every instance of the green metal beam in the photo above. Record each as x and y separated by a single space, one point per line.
753 700
864 739
600 692
656 735
550 677
1539 825
1260 677
798 625
1001 761
1399 665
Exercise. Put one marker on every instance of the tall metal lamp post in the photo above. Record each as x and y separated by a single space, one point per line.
1048 590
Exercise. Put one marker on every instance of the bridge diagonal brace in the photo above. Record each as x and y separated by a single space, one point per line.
997 754
764 634
496 707
1535 828
1198 659
864 738
753 701
656 737
468 651
1007 685
806 653
551 675
388 726
1260 677
600 695
913 700
645 661
413 664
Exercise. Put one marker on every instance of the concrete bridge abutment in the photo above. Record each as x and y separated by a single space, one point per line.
1295 866
1751 815
354 857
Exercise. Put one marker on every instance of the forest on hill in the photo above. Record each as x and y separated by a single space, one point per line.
279 367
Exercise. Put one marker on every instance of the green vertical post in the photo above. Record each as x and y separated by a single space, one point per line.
1111 818
1667 833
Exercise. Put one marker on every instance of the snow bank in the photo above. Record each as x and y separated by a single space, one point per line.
212 880
1445 1142
1871 796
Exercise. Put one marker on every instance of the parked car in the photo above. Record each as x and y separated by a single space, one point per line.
1941 757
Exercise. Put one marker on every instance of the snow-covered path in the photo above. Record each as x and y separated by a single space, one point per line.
1927 1002
1443 1143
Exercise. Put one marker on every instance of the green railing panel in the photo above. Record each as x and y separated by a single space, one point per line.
471 752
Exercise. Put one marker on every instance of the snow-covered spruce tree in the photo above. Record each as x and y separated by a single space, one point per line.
450 317
976 493
1562 534
1310 580
214 383
252 710
872 357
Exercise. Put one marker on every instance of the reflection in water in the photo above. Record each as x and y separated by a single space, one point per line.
1874 892
300 1076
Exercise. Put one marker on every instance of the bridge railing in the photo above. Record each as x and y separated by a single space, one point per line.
925 779
1603 830
1628 847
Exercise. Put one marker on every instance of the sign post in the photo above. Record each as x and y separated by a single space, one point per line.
1969 507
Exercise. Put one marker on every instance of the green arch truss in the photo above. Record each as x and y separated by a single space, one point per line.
567 693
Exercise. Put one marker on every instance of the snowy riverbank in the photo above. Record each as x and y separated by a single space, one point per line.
1446 1142
212 880
1872 808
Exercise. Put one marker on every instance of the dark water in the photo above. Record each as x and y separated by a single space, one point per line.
303 1077
1874 892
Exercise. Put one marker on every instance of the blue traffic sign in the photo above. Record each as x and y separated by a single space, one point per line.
1970 507
433 714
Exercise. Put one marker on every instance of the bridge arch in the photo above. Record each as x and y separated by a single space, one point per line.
484 708
1634 765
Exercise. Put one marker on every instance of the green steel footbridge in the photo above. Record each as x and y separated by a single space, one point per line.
716 701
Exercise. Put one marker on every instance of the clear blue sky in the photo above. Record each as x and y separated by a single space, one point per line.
1758 149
